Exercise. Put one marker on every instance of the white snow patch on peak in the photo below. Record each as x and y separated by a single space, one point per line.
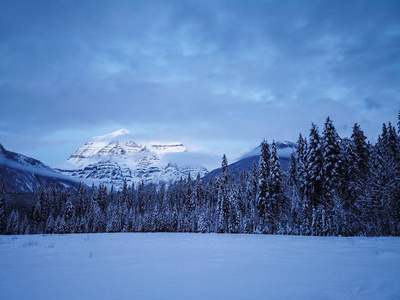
284 148
114 157
111 136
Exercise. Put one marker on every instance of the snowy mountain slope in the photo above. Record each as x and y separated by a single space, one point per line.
117 144
114 157
24 174
245 162
284 148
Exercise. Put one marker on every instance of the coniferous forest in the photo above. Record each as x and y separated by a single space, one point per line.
333 186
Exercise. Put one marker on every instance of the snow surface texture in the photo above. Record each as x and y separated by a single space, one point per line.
110 159
198 266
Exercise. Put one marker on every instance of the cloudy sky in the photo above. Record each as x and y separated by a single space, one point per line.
219 76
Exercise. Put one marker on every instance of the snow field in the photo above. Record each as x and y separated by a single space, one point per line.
198 266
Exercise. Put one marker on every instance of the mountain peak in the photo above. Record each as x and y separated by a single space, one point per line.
114 157
285 149
118 145
111 136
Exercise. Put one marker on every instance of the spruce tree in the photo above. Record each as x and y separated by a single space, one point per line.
313 188
301 165
223 194
332 161
384 184
263 187
50 223
3 218
13 223
357 162
277 199
199 191
331 173
302 184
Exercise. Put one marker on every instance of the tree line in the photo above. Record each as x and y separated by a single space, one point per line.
333 186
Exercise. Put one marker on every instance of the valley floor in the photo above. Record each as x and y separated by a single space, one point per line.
198 266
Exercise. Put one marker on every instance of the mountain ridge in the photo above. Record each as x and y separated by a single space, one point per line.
110 159
21 173
246 161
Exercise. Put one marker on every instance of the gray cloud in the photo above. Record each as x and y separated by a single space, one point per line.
217 74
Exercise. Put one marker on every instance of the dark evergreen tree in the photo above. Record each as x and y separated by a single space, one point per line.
223 194
301 166
3 217
294 209
302 179
331 173
277 199
332 160
357 159
263 197
313 188
69 216
200 194
384 192
13 223
50 224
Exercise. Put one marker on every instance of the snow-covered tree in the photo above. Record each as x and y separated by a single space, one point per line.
277 198
332 165
3 217
313 188
222 197
263 196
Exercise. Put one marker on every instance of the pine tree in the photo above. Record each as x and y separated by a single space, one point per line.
223 193
200 194
80 200
113 224
294 195
253 194
101 197
302 179
50 224
301 165
277 199
37 217
314 166
384 185
69 216
59 226
356 154
3 218
99 222
13 223
263 187
331 172
188 196
398 123
141 202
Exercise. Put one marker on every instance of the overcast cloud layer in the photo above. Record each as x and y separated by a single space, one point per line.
216 75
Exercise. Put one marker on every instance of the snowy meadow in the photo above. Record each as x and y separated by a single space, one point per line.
198 266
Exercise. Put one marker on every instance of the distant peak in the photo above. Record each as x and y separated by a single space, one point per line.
112 135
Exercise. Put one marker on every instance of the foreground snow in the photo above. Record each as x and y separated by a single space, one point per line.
198 266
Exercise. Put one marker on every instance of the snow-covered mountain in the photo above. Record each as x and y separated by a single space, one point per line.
114 157
245 162
284 149
24 174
